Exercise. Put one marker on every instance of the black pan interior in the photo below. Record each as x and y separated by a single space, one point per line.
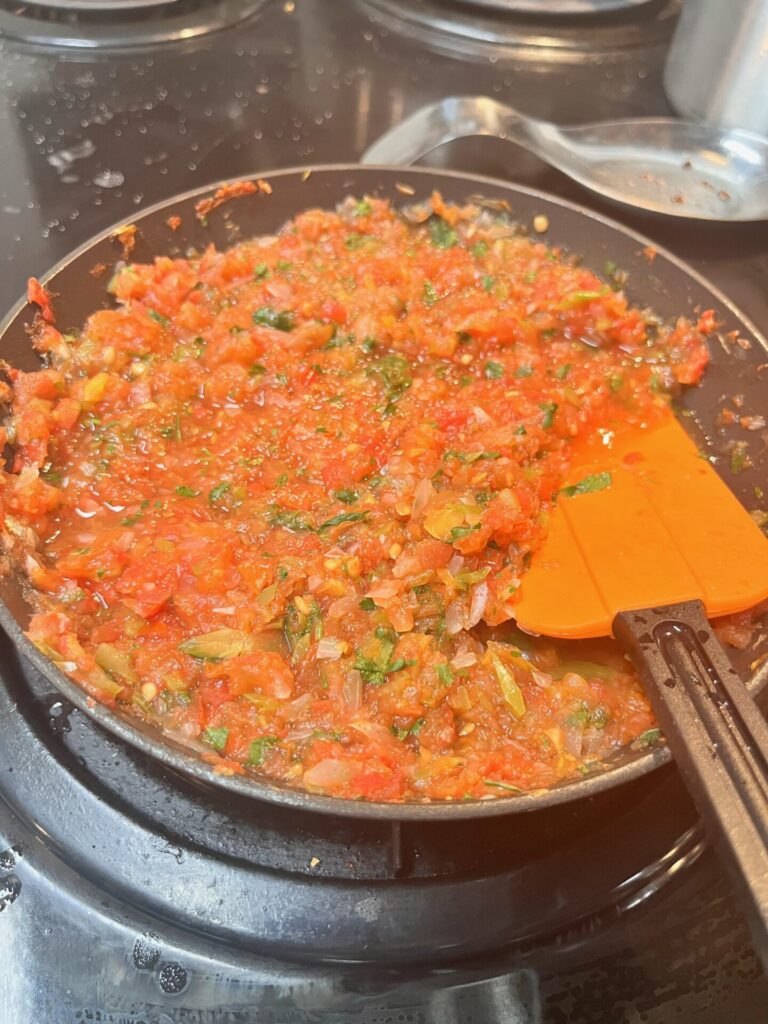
663 283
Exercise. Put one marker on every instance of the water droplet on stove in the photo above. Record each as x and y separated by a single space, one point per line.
146 952
58 716
108 179
172 978
9 858
10 887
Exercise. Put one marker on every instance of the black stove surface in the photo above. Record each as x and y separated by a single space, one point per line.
129 895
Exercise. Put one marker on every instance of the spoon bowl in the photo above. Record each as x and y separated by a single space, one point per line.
659 164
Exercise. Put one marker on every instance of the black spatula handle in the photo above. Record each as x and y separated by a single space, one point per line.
717 734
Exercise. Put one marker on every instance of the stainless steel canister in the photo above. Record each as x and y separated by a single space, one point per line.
717 68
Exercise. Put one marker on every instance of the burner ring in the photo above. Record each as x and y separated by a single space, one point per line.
118 24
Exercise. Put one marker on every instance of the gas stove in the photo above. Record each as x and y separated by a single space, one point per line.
129 894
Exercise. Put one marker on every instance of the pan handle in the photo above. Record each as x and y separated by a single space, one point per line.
718 736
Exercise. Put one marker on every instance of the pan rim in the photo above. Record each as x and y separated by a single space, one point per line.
254 787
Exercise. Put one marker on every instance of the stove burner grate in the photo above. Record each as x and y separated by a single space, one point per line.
118 24
558 30
263 877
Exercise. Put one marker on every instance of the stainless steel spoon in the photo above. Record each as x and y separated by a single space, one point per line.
660 164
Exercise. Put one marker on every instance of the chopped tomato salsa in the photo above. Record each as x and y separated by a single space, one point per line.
281 499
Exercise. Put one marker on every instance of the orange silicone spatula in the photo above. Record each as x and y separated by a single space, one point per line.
645 543
644 520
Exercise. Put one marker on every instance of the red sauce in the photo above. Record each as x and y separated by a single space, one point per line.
281 499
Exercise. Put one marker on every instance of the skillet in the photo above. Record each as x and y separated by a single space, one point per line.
666 284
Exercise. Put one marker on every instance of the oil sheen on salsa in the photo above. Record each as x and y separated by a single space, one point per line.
280 500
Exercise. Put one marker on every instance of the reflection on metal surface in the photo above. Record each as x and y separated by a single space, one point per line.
494 30
118 24
660 164
556 8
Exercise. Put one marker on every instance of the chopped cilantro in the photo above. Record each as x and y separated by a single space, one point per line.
460 532
186 492
217 493
444 674
258 749
493 371
280 320
649 738
216 738
289 519
503 785
441 234
158 318
411 730
549 409
342 517
346 495
591 483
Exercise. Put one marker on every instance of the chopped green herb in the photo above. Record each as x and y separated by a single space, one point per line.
257 370
593 482
288 519
470 457
739 460
394 373
217 493
411 730
549 409
368 604
362 208
356 241
260 271
524 371
444 674
487 282
562 371
649 738
441 234
460 532
493 371
216 738
346 495
430 295
342 517
503 785
158 318
258 749
479 249
282 320
186 492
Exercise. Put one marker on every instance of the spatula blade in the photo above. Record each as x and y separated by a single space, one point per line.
666 529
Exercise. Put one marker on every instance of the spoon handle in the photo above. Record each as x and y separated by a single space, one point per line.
456 117
717 734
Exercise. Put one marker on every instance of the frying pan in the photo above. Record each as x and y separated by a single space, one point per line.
667 285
